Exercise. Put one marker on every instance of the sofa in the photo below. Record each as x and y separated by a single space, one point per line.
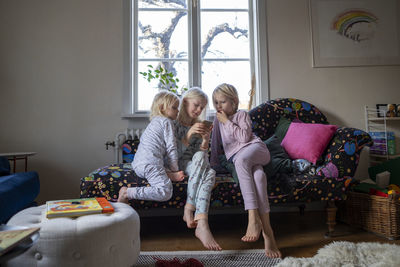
17 190
327 180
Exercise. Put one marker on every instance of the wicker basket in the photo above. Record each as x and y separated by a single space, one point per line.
374 214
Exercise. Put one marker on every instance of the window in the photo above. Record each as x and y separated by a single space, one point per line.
201 42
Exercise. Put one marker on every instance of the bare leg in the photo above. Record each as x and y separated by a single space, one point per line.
188 216
123 196
204 234
176 176
253 228
271 249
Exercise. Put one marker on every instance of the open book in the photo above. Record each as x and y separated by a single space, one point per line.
11 238
77 207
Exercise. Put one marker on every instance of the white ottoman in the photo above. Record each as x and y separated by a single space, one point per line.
90 240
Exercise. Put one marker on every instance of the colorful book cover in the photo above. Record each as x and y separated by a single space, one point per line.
11 238
77 207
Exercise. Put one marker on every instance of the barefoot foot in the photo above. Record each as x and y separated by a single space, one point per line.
204 234
254 227
123 195
271 249
176 176
189 218
252 233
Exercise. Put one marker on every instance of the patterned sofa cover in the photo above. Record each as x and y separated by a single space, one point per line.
339 164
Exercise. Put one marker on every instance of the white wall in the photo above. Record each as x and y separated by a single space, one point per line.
339 92
61 78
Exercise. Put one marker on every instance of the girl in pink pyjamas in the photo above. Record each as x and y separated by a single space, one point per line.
232 129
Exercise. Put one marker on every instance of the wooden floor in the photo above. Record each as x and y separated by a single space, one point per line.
296 235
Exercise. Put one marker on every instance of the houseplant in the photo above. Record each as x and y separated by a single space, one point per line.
166 79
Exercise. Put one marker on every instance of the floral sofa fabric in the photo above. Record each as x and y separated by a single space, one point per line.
329 182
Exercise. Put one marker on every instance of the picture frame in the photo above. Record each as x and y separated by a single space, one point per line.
354 33
381 110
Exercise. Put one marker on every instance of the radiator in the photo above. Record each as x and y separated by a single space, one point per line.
120 138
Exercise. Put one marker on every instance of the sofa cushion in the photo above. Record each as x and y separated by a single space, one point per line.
280 161
282 128
307 140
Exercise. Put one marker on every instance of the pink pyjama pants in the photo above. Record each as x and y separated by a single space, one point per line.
249 163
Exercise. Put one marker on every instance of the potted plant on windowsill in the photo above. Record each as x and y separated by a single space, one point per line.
166 79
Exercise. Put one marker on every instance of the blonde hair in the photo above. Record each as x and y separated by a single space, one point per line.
192 93
230 92
161 101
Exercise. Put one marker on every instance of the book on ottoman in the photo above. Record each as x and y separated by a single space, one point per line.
12 237
77 207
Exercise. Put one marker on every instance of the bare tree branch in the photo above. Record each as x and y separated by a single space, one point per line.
218 30
181 3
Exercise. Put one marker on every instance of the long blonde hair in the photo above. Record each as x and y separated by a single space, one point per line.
192 93
230 92
161 101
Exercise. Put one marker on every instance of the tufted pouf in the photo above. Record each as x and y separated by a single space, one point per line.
90 240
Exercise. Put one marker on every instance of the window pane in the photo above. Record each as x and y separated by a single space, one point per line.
236 73
147 90
164 37
224 4
162 4
228 33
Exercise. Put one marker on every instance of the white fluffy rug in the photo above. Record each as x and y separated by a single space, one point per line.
348 254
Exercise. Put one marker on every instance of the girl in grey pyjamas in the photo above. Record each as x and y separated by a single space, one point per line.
194 162
193 141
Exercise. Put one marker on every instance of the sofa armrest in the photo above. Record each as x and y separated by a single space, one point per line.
4 166
17 192
343 152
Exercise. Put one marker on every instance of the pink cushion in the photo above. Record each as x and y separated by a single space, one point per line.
307 140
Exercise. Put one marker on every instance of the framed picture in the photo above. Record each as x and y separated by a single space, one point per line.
355 33
381 109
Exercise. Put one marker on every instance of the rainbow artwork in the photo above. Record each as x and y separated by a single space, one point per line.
357 25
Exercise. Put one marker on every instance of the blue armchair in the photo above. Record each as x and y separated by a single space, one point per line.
17 190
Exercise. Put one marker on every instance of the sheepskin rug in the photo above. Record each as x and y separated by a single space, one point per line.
346 254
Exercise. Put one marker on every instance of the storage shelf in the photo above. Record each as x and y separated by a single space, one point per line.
386 118
384 156
375 124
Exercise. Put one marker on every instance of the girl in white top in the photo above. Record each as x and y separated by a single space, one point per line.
157 157
232 130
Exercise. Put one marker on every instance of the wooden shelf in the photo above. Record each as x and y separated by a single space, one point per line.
382 118
385 156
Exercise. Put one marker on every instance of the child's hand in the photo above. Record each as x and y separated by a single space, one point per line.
206 139
207 133
221 116
197 128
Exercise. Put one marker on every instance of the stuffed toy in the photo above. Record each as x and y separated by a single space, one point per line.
391 110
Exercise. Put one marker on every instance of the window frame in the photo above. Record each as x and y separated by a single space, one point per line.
258 53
